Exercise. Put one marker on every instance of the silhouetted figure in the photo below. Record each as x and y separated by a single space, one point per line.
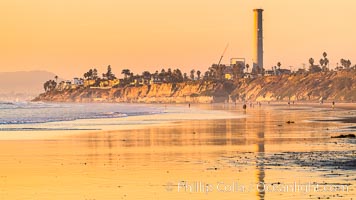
333 104
189 105
244 106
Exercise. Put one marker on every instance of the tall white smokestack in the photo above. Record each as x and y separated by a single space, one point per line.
258 41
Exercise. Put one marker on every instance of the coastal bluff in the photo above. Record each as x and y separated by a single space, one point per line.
332 86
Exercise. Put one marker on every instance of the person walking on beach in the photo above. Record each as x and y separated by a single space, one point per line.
333 104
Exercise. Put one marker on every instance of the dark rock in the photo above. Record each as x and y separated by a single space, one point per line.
345 136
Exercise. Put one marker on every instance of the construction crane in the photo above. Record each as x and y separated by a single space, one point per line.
223 54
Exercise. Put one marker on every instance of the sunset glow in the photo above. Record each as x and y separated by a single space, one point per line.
67 37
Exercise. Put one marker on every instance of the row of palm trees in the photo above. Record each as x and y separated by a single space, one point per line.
169 75
50 84
215 73
324 64
346 63
92 74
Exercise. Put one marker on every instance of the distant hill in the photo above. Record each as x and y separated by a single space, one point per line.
22 85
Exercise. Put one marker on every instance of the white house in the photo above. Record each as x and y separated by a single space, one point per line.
78 81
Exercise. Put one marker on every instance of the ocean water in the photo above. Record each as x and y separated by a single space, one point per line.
31 115
40 116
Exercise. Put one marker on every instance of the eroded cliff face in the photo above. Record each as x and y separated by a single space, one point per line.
197 92
339 86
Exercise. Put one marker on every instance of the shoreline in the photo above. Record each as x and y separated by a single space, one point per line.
168 117
171 114
349 104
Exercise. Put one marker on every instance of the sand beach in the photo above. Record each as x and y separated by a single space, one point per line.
212 151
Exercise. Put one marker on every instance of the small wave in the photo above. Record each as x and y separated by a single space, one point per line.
111 115
28 105
6 103
40 112
72 118
144 113
48 129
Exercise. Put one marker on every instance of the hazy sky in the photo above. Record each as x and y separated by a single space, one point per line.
68 37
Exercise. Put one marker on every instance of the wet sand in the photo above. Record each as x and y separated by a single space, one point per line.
191 158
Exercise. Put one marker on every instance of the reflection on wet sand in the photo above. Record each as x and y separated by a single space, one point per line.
260 165
150 163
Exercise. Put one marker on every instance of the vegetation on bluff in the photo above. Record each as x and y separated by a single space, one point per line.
224 82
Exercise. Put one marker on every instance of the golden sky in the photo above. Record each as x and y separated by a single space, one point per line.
68 37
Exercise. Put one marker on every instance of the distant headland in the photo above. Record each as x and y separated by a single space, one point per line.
220 83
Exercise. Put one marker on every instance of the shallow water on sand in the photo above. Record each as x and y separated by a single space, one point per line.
258 156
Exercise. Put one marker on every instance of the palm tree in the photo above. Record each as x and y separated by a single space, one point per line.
313 68
56 77
53 84
125 72
109 74
311 61
90 74
45 86
156 75
324 62
237 70
192 74
345 63
95 74
348 64
247 66
169 75
279 65
321 61
49 85
162 75
198 74
185 76
146 74
177 76
85 75
206 75
325 54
